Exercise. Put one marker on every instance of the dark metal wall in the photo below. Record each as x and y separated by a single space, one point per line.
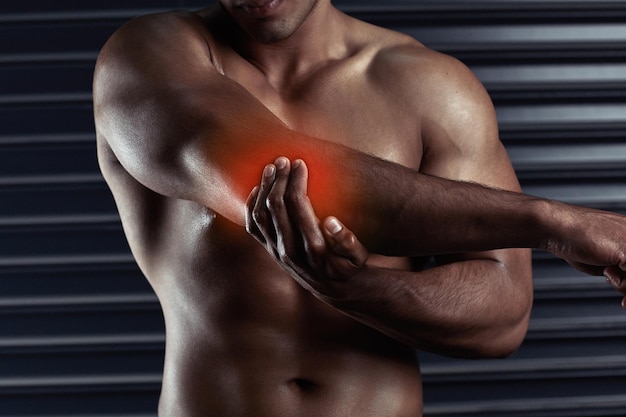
81 332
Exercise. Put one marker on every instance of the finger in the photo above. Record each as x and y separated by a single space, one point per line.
303 214
260 214
344 242
275 203
617 279
251 226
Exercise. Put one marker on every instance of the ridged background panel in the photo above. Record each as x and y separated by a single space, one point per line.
81 332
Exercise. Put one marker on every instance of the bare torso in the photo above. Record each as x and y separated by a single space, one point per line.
243 338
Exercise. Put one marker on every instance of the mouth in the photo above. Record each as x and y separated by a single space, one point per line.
259 8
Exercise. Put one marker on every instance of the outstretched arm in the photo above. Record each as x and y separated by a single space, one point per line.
184 130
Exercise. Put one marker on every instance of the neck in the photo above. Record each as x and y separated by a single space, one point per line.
320 38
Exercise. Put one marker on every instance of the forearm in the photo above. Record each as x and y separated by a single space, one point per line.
475 308
398 211
401 212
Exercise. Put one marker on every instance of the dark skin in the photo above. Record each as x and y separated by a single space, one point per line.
190 108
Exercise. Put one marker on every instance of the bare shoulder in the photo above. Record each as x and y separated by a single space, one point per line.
439 87
150 48
148 58
417 72
405 66
453 110
153 31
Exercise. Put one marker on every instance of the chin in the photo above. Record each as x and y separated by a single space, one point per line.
270 35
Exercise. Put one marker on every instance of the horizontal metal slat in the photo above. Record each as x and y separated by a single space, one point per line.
52 261
567 73
522 368
72 343
46 414
98 6
64 383
55 57
578 327
39 180
63 302
45 98
58 221
567 157
546 114
591 406
29 17
47 139
523 35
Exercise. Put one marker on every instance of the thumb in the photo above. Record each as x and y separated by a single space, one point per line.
343 242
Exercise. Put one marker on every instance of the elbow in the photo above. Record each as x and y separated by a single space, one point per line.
501 340
493 344
496 340
504 335
504 344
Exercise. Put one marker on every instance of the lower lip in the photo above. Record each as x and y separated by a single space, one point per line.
262 11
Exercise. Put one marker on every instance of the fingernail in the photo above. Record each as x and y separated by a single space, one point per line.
281 162
613 280
296 163
609 279
269 170
333 225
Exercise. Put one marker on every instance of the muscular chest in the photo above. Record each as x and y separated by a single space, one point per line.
340 104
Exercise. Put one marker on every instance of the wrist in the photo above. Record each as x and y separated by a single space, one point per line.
552 220
351 291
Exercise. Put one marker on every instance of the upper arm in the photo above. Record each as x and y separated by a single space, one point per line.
461 142
460 131
168 115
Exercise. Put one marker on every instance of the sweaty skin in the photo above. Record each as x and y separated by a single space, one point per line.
190 108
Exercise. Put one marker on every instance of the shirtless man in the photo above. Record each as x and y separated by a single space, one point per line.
328 116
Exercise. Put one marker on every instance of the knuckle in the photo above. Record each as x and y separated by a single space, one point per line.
258 215
274 202
315 254
285 257
293 199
